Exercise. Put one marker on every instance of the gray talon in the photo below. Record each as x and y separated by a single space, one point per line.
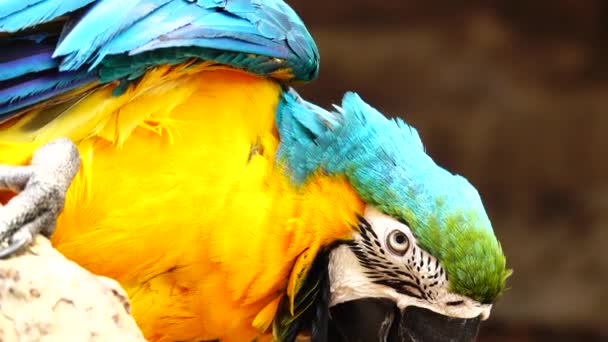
41 188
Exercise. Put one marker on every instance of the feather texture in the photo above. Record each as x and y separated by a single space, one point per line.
208 134
385 162
17 15
164 123
78 42
43 87
26 55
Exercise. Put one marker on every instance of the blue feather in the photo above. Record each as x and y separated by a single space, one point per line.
27 64
112 27
23 58
8 7
268 28
166 17
39 89
386 164
36 13
383 159
102 23
219 43
118 40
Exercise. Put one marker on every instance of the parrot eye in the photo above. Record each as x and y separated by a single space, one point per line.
397 242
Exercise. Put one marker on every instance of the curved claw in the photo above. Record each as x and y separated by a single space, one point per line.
41 189
16 245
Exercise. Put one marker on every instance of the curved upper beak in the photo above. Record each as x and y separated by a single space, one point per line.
379 319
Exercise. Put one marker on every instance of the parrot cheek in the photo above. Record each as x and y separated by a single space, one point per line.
378 319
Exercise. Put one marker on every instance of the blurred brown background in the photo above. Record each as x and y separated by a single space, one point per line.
513 94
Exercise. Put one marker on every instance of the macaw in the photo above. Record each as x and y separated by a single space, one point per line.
159 143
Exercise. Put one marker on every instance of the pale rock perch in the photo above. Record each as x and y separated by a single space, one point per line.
45 297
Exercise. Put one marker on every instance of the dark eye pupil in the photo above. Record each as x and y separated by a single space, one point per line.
397 242
400 238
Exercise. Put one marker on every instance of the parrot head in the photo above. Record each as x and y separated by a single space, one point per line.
423 263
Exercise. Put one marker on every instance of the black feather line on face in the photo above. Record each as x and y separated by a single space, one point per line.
372 257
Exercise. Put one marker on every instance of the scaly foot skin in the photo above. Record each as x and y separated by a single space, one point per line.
41 188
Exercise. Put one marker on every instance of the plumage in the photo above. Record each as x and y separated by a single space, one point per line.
17 15
24 56
264 37
211 191
385 162
112 129
224 262
42 87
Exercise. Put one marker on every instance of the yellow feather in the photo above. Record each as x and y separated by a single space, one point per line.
180 200
264 318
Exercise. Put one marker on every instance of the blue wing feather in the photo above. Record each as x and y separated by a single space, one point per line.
102 24
219 43
166 19
268 27
35 13
24 57
30 92
8 7
87 40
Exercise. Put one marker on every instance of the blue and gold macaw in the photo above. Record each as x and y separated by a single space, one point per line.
161 141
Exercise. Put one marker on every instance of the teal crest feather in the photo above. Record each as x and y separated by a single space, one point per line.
386 164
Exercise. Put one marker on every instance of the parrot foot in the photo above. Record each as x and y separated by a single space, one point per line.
41 188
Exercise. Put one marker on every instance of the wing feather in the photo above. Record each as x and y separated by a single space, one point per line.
52 47
17 15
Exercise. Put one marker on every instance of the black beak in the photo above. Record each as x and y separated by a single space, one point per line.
379 319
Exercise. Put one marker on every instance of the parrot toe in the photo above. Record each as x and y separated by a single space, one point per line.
41 188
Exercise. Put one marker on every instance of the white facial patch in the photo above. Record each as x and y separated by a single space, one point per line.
385 261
